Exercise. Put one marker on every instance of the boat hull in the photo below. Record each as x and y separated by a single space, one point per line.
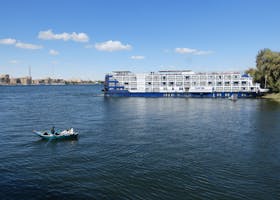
182 94
50 136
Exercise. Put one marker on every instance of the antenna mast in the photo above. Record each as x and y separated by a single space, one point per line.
29 71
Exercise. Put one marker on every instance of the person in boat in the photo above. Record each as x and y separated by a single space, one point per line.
52 130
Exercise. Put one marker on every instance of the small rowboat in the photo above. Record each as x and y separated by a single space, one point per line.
65 134
233 97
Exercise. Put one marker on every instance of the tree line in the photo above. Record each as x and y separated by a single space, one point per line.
267 71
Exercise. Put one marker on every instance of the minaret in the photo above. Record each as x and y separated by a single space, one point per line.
29 71
29 76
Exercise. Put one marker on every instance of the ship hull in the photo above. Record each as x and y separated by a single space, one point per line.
182 95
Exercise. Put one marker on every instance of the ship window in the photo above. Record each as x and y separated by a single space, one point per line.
156 78
203 77
194 77
219 83
179 83
203 83
163 83
126 83
133 78
235 83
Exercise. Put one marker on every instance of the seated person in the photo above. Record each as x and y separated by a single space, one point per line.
52 130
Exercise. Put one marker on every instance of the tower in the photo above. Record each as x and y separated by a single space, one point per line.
29 78
29 72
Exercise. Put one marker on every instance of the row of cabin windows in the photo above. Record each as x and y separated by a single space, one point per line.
209 82
227 83
203 77
235 83
229 94
244 89
149 78
180 84
174 88
180 88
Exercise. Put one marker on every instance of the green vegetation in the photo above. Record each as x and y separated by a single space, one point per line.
273 96
267 72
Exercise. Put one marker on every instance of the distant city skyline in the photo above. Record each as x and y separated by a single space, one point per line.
86 39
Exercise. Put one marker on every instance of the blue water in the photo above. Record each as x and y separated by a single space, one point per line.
137 148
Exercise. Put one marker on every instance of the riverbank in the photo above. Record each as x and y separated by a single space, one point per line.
273 96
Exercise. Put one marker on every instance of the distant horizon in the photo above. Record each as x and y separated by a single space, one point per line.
91 38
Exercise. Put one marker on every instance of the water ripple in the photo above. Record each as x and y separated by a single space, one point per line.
137 148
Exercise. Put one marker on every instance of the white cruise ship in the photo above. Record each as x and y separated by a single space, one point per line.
180 83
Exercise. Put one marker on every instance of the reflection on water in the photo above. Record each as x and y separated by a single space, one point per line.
137 148
65 141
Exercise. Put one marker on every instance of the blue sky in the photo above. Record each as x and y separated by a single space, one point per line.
88 38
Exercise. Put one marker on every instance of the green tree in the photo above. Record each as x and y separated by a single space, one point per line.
267 71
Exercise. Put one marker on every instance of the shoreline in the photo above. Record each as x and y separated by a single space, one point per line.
272 96
53 84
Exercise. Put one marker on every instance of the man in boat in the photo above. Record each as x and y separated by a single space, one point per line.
52 130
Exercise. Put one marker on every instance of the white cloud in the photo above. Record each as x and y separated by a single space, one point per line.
137 57
8 41
80 37
14 61
49 35
18 44
185 50
53 52
27 46
112 46
203 52
192 51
